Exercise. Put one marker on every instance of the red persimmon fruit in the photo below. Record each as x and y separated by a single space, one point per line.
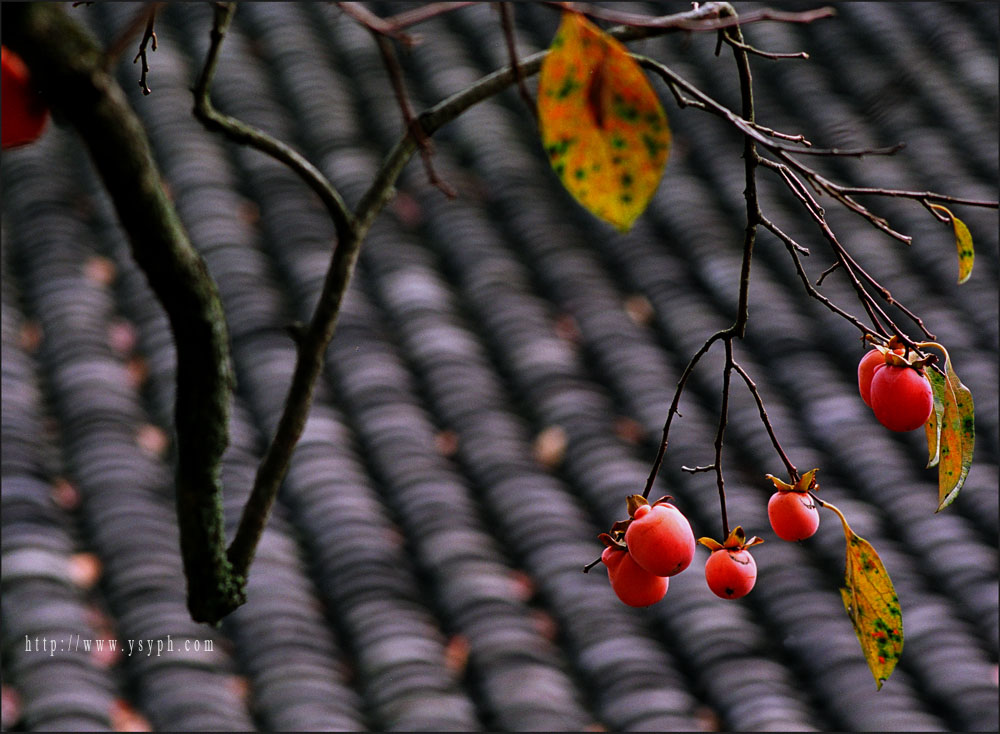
902 398
660 539
23 114
631 582
793 515
731 573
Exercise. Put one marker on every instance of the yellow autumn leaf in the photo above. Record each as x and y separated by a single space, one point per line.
871 604
963 241
956 429
602 126
933 426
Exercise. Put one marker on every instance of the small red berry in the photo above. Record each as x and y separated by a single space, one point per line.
902 398
633 585
793 515
660 539
22 113
730 573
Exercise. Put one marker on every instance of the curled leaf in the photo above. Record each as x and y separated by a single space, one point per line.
871 604
602 125
963 241
933 426
955 430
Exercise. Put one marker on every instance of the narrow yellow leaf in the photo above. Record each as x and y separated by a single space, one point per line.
963 241
601 124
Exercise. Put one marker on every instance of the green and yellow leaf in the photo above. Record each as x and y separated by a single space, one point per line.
956 429
963 241
871 604
933 426
602 126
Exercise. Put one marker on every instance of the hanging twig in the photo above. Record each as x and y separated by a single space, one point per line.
148 35
507 22
409 121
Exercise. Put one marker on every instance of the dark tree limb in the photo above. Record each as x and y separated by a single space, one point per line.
70 75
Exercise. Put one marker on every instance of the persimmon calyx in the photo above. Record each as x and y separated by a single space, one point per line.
610 541
736 541
806 483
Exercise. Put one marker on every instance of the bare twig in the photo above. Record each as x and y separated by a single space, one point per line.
783 136
793 246
752 386
393 25
148 35
374 23
124 39
766 54
704 18
747 127
720 480
672 411
698 469
247 135
409 121
828 271
507 21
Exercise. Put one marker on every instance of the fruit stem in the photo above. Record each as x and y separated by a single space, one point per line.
836 511
591 565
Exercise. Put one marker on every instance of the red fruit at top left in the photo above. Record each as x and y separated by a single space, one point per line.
23 114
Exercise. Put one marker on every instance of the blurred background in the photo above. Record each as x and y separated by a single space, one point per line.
496 387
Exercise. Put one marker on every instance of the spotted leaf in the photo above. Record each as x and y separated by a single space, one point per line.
953 437
602 126
963 241
872 604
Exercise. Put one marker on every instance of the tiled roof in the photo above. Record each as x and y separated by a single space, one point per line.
497 385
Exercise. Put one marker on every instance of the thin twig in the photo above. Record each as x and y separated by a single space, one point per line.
672 411
409 120
918 195
394 24
507 22
746 126
148 35
374 23
720 480
697 469
792 245
702 18
245 134
766 54
828 271
799 138
752 386
124 39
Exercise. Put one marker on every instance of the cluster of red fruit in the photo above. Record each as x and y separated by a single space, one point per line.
656 543
23 114
644 551
897 391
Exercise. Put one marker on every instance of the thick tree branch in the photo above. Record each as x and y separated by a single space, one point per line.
67 64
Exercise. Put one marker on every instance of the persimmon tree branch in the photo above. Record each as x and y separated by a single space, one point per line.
67 64
69 69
